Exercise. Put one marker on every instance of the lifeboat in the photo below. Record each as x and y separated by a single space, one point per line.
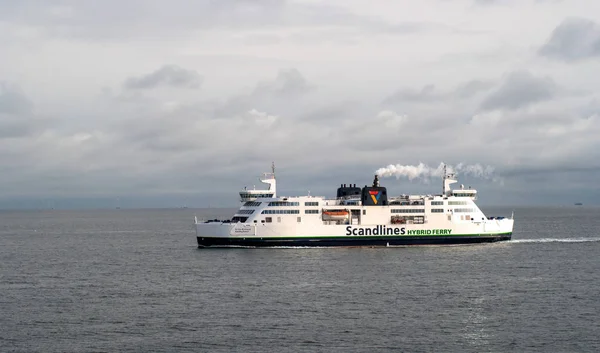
335 215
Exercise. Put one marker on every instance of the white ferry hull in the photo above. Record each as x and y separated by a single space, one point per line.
250 235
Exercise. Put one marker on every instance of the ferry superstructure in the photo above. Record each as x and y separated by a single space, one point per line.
358 216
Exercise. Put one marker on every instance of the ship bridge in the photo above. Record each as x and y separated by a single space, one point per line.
449 179
253 194
472 193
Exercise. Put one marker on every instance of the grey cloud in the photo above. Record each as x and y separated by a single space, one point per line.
201 124
520 89
13 101
140 18
12 126
574 39
16 109
283 93
591 108
425 94
168 75
332 113
471 88
428 93
288 82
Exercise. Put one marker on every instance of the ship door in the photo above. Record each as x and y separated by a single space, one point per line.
355 219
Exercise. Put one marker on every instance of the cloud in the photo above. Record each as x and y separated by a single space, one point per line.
137 18
390 119
12 126
429 93
207 127
13 101
293 81
472 88
520 89
425 94
574 39
16 113
289 82
168 75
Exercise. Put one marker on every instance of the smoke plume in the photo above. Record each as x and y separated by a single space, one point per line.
425 173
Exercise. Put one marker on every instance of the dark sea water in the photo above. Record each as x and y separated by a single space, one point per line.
134 281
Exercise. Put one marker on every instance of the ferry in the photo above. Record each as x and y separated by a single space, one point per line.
357 216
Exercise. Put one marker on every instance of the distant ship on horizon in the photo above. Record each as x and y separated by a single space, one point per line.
578 204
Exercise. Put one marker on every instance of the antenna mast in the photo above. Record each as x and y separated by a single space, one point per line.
444 181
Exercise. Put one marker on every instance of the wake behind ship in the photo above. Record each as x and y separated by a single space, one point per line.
356 217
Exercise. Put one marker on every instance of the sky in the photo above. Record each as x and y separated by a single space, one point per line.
137 103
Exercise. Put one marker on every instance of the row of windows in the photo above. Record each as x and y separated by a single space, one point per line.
437 210
311 211
463 195
280 212
463 210
437 203
245 212
408 210
283 203
311 203
252 204
454 203
247 194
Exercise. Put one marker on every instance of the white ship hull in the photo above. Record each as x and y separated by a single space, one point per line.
265 235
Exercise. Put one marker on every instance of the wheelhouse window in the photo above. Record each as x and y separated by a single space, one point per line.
252 204
463 194
249 194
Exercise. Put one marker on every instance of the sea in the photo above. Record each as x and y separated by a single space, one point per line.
127 280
